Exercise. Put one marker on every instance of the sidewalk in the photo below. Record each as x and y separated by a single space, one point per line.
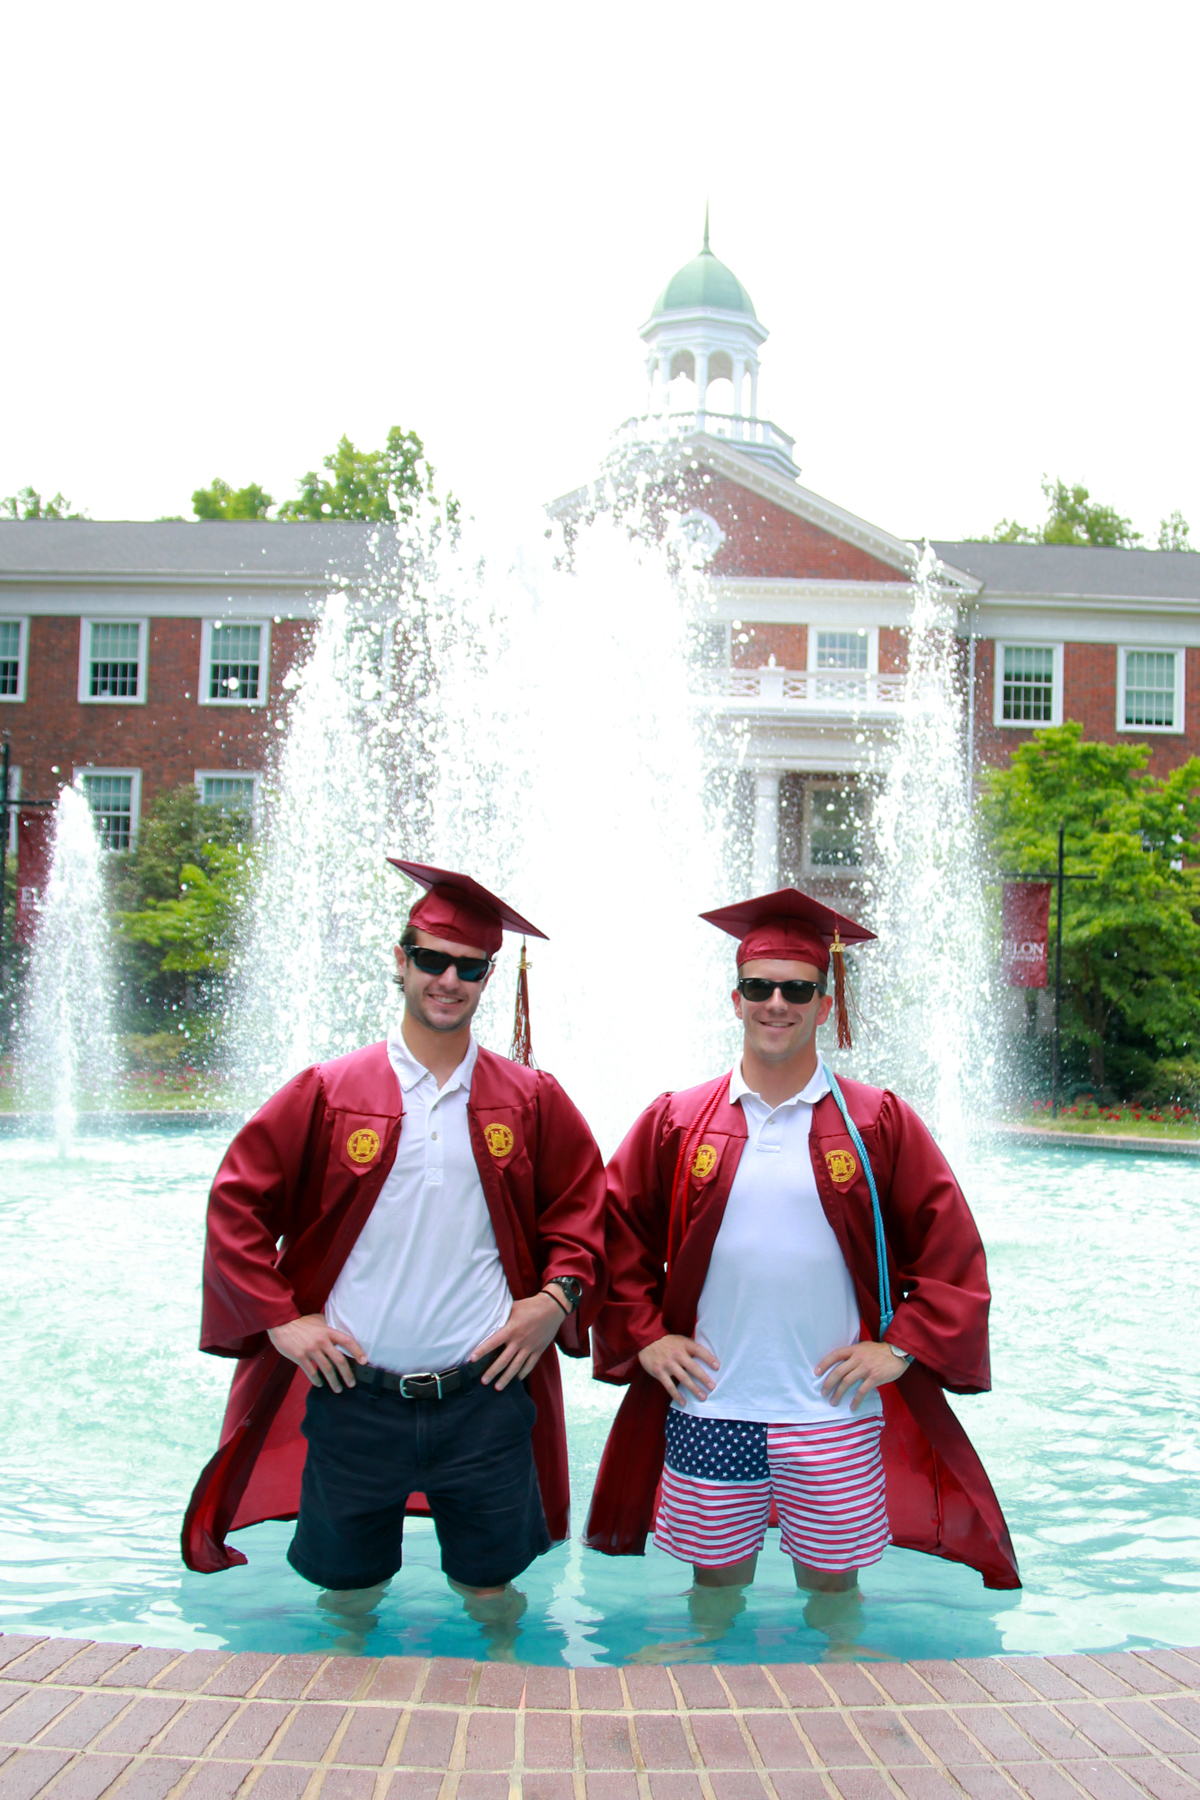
81 1720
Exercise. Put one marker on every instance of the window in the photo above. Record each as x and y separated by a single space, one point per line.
842 650
115 797
1149 690
13 637
836 820
233 663
1028 685
112 661
233 793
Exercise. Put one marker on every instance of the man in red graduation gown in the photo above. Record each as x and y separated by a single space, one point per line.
745 1304
395 1240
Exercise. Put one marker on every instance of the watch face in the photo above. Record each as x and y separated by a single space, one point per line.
570 1287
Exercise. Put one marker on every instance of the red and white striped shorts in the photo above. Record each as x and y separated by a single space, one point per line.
721 1476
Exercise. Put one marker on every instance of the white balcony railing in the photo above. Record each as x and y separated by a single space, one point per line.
760 437
818 690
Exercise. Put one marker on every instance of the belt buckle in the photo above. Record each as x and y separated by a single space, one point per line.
425 1375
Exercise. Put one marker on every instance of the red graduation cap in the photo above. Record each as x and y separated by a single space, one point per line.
457 908
789 926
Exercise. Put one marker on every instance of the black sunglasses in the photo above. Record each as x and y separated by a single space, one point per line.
757 987
436 962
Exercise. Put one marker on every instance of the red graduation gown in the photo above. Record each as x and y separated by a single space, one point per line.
678 1165
294 1191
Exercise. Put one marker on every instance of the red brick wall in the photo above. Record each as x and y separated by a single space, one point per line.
893 651
1089 695
764 540
788 644
168 738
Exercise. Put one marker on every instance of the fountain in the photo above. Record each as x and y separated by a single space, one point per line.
534 725
925 992
534 717
68 1047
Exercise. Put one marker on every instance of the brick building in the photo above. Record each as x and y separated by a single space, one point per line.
140 656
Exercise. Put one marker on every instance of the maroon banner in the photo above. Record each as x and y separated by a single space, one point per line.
35 832
1025 933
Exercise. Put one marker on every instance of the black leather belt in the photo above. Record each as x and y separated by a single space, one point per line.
429 1385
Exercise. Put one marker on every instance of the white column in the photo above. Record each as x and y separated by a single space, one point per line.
664 380
701 384
766 832
754 390
739 381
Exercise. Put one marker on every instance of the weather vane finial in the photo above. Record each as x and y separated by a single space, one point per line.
705 227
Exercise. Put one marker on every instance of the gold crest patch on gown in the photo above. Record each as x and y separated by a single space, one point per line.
362 1146
498 1138
842 1166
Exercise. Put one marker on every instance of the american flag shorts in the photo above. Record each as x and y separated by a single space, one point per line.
721 1476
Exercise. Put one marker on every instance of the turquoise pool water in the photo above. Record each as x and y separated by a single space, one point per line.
1090 1436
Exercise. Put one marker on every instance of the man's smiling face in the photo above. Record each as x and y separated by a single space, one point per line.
775 1030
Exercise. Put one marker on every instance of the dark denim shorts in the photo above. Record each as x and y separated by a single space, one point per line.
470 1455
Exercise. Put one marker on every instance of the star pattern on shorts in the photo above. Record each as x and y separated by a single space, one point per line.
716 1449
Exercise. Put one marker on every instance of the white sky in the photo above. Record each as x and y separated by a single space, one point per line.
231 235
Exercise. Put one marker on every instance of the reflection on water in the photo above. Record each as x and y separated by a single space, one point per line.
1089 1438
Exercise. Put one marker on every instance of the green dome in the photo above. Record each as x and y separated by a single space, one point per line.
704 282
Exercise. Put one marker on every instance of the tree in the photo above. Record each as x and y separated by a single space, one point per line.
1173 533
220 501
196 931
177 897
1074 518
28 504
383 485
1131 939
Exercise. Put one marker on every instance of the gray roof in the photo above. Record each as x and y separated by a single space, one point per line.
1051 569
42 548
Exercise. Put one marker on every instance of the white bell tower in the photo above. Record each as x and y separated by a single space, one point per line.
704 326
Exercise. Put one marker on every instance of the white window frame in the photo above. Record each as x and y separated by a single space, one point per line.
811 790
86 698
135 796
231 775
1179 652
1056 699
22 657
264 663
870 632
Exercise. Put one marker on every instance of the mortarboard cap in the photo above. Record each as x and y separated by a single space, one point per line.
459 909
789 926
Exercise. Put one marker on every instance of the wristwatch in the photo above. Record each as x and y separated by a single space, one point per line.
904 1355
572 1290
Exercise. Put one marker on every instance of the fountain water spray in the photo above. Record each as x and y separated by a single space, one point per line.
68 1046
926 991
534 725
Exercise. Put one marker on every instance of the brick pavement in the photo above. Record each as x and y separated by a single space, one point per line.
81 1720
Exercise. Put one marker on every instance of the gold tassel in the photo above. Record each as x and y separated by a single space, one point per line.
521 1049
837 951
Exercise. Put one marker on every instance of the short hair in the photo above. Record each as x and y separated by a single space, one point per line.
408 940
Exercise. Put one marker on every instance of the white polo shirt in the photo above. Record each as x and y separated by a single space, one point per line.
778 1295
424 1283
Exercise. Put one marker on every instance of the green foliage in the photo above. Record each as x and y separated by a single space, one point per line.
196 931
382 485
177 898
220 501
1131 939
1173 533
1073 518
28 504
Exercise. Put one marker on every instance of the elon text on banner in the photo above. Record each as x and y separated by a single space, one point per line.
1025 933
